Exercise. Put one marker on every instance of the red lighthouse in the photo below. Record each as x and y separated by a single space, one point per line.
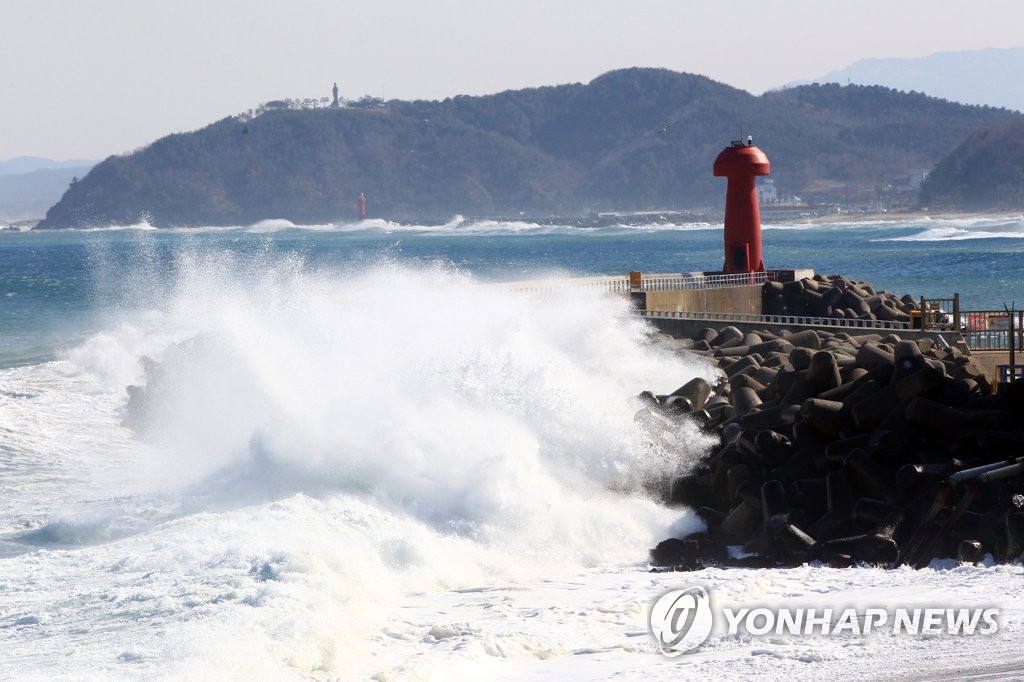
741 164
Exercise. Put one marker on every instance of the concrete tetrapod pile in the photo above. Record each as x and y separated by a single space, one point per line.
845 449
835 296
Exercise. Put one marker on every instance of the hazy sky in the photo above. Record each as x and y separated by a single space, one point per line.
90 78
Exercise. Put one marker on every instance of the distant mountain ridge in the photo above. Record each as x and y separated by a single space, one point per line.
632 139
29 164
27 195
991 76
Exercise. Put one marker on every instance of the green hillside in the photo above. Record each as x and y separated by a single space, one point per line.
984 173
632 139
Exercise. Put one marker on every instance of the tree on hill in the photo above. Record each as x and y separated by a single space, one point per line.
309 166
867 134
984 173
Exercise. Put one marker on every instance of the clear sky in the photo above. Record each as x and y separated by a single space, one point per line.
90 78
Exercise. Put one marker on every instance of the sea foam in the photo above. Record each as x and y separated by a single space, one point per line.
324 444
473 408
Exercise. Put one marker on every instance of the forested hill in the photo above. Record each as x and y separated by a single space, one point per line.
985 172
629 140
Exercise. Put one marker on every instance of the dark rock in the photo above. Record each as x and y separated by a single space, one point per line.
970 552
692 553
845 448
695 392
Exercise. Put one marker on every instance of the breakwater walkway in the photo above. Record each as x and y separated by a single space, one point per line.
683 305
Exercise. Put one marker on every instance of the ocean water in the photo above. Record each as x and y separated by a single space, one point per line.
340 452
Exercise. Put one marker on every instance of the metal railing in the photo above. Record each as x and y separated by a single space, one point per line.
612 285
1008 373
796 320
696 281
939 314
990 329
685 282
624 285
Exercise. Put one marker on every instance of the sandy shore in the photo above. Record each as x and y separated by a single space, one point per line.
910 215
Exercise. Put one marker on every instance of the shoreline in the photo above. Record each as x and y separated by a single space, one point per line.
897 216
608 219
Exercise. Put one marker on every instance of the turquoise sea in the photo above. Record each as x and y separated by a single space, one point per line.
58 285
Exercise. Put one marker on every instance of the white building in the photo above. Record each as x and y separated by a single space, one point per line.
916 177
766 192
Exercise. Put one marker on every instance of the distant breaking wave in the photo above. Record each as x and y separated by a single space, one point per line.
456 224
949 233
927 229
141 225
930 229
459 225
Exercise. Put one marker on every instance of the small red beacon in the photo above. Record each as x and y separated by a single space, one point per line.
741 164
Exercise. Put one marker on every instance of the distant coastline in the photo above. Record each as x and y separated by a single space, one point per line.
919 214
636 219
629 139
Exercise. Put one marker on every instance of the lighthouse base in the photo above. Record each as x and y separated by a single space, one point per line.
738 259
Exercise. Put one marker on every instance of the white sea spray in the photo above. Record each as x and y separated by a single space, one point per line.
303 449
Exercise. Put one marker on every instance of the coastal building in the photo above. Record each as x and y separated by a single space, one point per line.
915 177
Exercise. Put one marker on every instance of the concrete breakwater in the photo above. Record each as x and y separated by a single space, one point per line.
835 297
844 447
